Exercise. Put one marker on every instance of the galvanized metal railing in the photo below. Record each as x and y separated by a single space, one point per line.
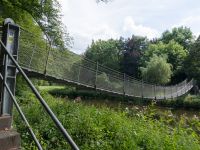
43 58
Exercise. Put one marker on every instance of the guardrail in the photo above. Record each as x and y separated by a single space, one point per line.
43 58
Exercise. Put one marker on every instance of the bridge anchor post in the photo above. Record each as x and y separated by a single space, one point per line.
10 38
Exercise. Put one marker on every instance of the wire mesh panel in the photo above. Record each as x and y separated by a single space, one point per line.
134 88
40 56
116 84
33 52
109 82
148 91
159 92
87 76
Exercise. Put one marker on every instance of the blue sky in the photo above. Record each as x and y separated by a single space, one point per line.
87 20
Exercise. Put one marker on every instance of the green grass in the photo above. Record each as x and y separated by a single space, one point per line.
188 101
73 93
104 128
48 88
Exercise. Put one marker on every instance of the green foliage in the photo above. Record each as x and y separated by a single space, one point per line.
135 43
175 53
189 101
122 54
192 62
103 79
133 50
157 70
181 35
105 52
45 13
104 128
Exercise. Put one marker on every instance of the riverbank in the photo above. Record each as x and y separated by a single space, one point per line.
105 128
186 102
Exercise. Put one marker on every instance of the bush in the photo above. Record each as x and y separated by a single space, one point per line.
189 101
101 128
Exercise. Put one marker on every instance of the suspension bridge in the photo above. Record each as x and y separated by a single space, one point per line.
46 62
37 57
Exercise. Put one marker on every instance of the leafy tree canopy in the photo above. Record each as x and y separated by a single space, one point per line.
175 53
32 13
157 70
181 35
133 49
135 43
192 62
105 52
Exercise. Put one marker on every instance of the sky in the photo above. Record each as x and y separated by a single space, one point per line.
87 20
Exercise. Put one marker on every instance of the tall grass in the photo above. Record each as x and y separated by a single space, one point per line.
104 128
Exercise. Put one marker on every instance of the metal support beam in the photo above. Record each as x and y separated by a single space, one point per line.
8 69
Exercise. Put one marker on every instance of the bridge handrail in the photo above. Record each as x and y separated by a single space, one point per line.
93 63
87 72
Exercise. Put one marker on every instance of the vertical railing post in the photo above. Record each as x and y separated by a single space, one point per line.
185 87
171 92
46 63
124 84
96 74
155 91
142 89
79 72
164 92
10 39
32 54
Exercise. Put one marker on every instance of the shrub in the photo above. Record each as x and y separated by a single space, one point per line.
101 128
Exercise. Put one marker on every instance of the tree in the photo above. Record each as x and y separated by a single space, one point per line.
157 70
46 13
192 62
175 53
133 50
181 35
105 52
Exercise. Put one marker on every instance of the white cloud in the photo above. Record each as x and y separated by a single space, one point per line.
132 28
65 6
83 38
193 22
87 20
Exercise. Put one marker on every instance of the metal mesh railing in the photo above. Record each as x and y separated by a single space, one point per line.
39 56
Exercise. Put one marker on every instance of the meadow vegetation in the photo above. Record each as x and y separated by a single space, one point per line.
105 128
